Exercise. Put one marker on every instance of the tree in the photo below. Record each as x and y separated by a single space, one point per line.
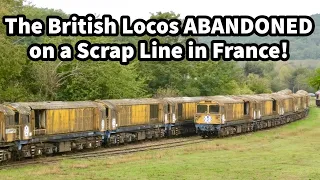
103 80
258 84
314 80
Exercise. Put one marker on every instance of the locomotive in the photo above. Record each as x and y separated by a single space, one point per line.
228 115
31 129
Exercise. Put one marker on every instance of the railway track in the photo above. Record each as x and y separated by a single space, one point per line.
107 152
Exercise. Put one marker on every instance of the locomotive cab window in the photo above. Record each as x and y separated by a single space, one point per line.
9 120
25 119
246 108
154 111
274 105
179 110
16 118
40 119
202 108
107 112
214 108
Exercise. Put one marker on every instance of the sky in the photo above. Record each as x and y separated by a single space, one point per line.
143 8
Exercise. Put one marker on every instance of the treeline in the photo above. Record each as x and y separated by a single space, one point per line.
24 80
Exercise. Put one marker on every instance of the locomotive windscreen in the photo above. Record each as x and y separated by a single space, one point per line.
202 108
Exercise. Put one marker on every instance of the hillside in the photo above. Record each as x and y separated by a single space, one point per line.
300 47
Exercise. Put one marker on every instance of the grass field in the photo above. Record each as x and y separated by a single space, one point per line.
288 152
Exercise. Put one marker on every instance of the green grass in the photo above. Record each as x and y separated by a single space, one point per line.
288 152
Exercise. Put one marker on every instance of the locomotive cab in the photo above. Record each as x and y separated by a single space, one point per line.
22 122
9 128
209 117
179 114
218 112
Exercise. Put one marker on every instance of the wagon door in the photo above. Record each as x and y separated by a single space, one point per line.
39 118
168 113
167 116
2 129
253 107
246 109
173 113
26 128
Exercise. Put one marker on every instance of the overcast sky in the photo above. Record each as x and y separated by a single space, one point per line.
142 8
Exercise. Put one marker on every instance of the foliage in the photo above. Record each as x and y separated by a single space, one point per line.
315 79
25 80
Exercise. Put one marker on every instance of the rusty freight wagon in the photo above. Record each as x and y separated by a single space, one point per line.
134 119
179 114
50 127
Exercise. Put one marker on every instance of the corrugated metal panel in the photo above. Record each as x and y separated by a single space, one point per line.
71 120
124 116
189 109
267 108
140 114
287 103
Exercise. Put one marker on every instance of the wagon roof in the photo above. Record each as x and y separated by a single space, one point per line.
297 95
276 96
117 102
223 99
303 92
285 91
253 97
184 99
54 105
6 110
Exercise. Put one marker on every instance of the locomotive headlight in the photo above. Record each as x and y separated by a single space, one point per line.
223 119
166 118
102 124
26 131
113 123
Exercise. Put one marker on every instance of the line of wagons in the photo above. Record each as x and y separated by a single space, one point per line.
29 129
